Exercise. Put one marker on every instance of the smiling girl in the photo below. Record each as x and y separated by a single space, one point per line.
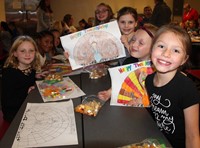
18 76
173 96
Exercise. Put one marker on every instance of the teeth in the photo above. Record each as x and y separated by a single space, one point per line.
164 62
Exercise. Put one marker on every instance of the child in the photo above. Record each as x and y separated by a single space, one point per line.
127 21
140 48
57 43
19 75
173 96
103 14
45 42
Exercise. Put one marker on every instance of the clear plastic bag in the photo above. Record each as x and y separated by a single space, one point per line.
147 143
90 105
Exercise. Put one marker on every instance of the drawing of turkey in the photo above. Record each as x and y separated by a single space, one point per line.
133 87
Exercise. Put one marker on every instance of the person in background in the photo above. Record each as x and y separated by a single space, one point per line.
103 14
83 24
127 20
44 15
145 18
57 42
19 74
61 27
91 21
171 91
192 28
69 20
5 36
189 14
161 14
45 42
140 50
15 31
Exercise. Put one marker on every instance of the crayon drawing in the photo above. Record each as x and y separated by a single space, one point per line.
94 45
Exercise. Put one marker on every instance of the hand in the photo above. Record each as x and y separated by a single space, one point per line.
42 74
105 95
136 102
30 89
124 40
66 54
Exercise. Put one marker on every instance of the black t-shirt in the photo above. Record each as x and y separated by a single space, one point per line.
15 85
168 103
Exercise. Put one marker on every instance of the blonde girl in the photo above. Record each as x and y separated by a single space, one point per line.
140 50
18 76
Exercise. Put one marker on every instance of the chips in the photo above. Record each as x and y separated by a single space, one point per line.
90 106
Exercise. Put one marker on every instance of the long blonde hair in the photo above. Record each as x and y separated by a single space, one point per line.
12 61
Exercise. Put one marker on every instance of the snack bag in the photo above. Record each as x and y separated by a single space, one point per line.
90 105
147 143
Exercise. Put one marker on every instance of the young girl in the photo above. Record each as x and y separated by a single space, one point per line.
45 42
140 48
173 96
18 76
127 21
57 42
103 14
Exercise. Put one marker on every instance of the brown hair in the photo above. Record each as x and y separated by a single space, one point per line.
110 14
182 35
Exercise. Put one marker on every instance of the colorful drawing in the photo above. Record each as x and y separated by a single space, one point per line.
61 90
128 83
94 45
133 87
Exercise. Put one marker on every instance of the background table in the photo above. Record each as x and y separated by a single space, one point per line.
114 126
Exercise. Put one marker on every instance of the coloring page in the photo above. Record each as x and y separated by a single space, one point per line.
47 124
94 45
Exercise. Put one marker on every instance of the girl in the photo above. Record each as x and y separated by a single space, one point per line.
127 21
173 96
57 42
45 42
140 48
19 75
103 14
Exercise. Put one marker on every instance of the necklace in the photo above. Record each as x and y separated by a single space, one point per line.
26 71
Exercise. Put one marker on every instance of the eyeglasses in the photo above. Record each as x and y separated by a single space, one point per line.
102 11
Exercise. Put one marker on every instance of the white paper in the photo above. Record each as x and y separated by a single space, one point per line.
128 82
47 124
94 45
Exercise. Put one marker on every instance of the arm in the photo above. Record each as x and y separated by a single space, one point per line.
192 126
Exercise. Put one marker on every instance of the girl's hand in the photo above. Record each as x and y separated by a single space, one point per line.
124 40
105 95
66 54
30 89
42 74
136 102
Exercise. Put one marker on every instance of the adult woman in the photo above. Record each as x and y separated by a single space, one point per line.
44 15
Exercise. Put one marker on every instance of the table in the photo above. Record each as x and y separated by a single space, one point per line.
114 126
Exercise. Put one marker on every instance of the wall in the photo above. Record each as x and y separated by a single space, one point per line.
85 8
2 10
